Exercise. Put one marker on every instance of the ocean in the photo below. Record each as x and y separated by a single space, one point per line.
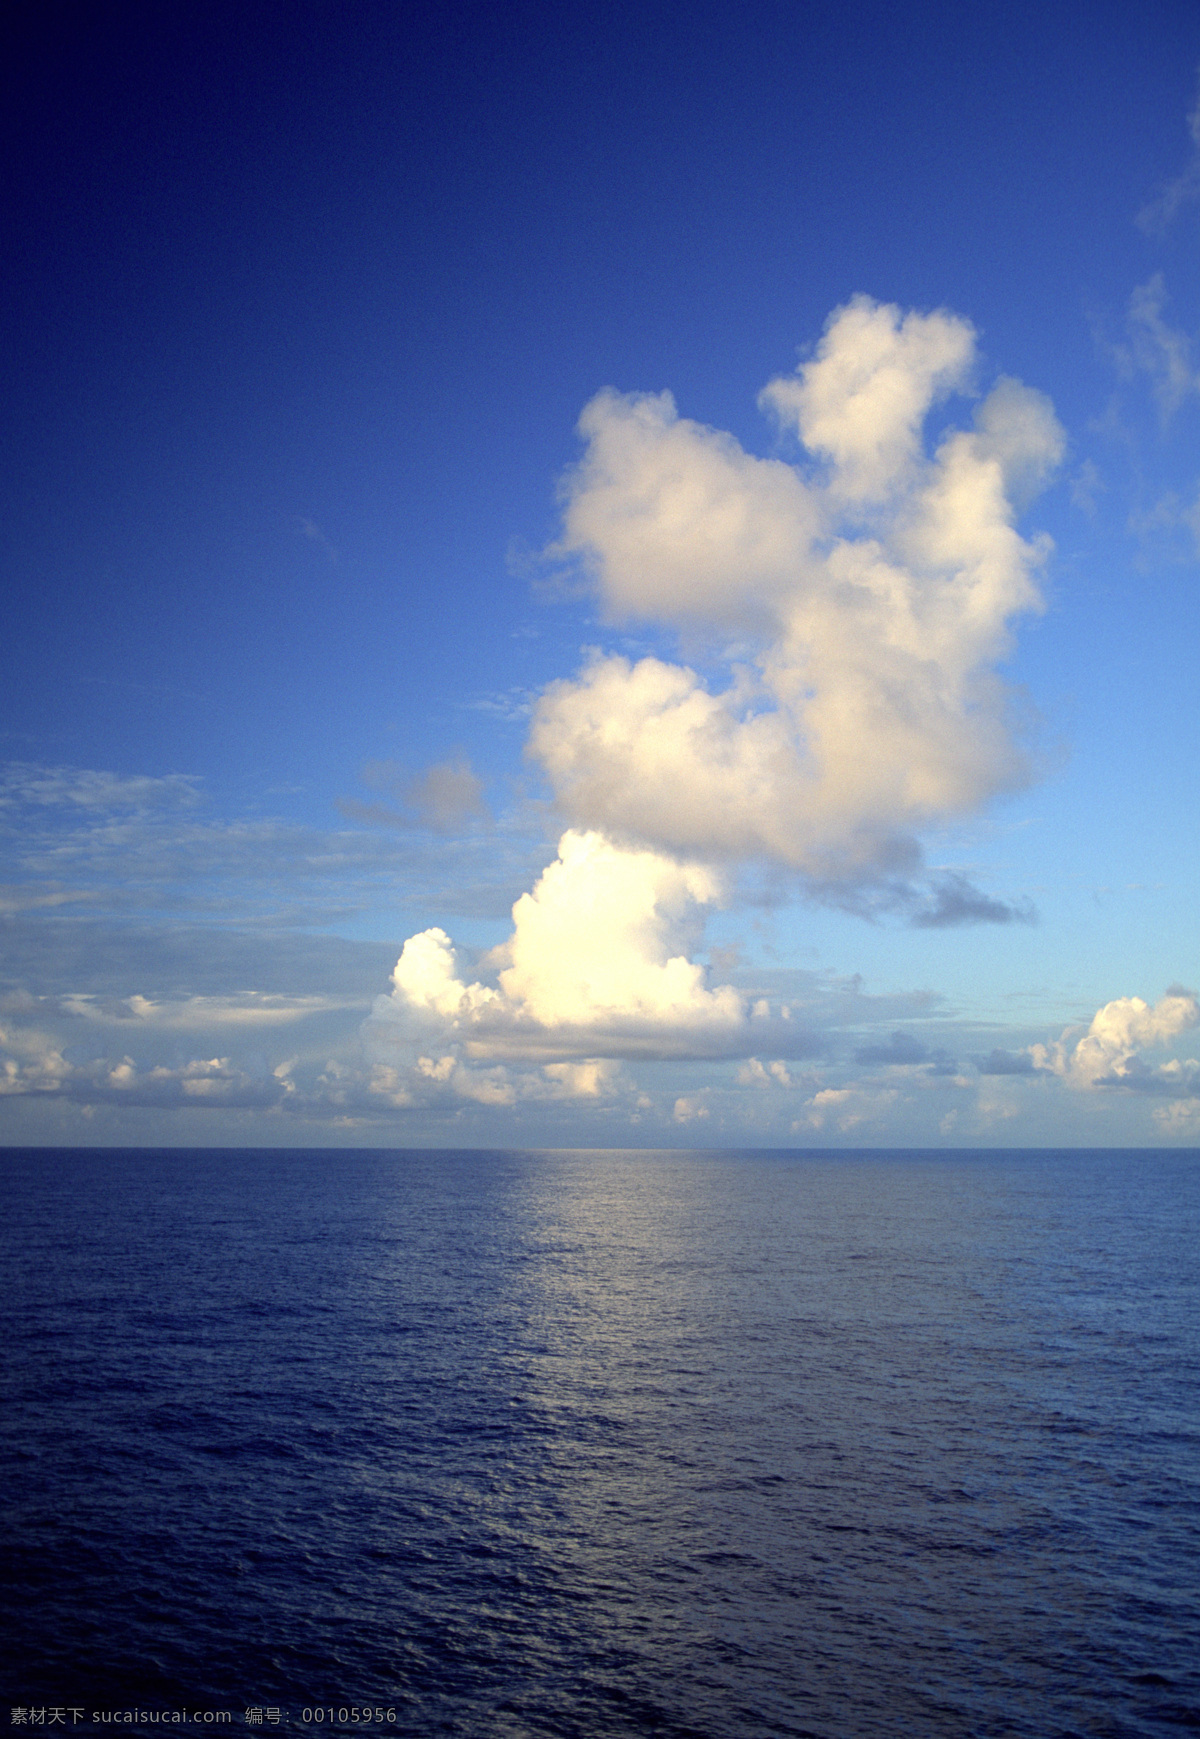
692 1444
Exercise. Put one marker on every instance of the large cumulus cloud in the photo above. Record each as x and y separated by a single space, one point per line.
596 965
1109 1052
874 589
867 586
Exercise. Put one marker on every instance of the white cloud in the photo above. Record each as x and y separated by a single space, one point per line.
874 586
1106 1060
755 1074
594 1079
873 583
847 1107
485 1086
690 1108
880 593
602 935
862 401
447 1078
92 790
32 1062
1180 1118
596 963
1109 1053
40 1065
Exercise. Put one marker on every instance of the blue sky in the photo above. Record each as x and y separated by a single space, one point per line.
329 636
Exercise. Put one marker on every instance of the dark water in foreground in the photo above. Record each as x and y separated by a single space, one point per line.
595 1444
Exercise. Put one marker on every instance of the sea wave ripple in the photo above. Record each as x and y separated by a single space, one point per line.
592 1444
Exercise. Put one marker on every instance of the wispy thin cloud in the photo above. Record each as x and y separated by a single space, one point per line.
83 788
1184 189
1159 350
514 705
444 798
312 531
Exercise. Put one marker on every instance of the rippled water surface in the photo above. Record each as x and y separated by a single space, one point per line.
593 1444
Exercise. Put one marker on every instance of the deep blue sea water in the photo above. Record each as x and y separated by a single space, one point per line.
592 1444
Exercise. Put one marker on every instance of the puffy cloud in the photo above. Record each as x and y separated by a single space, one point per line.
675 521
427 983
593 1079
485 1086
1108 1054
874 586
862 400
447 1078
602 934
754 1074
879 593
690 1108
845 1108
597 961
32 1063
1180 1118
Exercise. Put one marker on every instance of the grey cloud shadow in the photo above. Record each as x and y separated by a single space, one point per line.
999 1062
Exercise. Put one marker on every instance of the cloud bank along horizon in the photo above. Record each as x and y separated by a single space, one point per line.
856 599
